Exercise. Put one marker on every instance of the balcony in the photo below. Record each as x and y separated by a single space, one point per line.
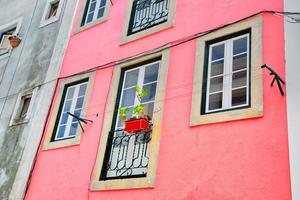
146 14
126 155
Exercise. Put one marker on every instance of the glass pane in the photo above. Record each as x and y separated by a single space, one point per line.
64 118
100 12
240 45
128 97
149 109
131 78
90 17
92 8
70 93
79 102
151 73
216 84
67 106
128 115
239 62
239 97
217 52
239 79
215 101
73 129
102 3
82 90
217 68
152 90
61 131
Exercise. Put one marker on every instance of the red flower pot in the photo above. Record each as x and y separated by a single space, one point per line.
136 125
14 42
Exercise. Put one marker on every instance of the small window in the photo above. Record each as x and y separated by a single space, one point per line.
4 41
72 102
23 107
52 12
227 82
53 9
94 10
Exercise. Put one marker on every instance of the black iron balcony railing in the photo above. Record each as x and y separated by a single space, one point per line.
147 13
127 155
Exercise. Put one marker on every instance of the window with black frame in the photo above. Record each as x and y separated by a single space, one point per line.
147 13
127 155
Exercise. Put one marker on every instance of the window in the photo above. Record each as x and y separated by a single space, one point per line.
121 143
52 12
228 78
23 107
63 129
4 41
124 160
227 75
146 17
72 103
93 12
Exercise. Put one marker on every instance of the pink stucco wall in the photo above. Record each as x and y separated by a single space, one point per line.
246 159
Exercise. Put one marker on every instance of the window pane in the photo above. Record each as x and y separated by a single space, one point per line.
100 13
92 7
239 97
82 90
216 84
70 92
67 106
102 3
79 102
217 68
64 118
239 79
61 132
149 109
240 45
128 115
152 90
131 78
128 97
239 62
90 17
217 52
215 101
151 73
73 128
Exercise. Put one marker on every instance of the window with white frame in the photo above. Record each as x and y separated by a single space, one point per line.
127 155
4 40
52 12
72 102
227 83
94 10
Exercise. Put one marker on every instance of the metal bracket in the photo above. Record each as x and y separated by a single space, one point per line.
277 78
79 119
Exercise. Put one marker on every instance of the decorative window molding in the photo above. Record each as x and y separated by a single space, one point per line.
23 108
92 12
52 12
249 79
160 21
73 97
142 180
7 30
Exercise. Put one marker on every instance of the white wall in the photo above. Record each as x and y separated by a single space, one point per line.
292 49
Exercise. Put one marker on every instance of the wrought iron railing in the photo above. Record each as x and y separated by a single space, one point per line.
147 13
127 155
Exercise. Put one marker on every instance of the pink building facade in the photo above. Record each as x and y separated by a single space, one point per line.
218 129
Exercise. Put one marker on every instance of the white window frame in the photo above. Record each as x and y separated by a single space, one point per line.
45 21
97 8
72 109
227 75
15 120
3 28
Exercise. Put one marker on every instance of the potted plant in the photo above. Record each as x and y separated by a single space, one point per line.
139 122
14 40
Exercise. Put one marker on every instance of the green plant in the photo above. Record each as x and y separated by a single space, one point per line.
138 110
